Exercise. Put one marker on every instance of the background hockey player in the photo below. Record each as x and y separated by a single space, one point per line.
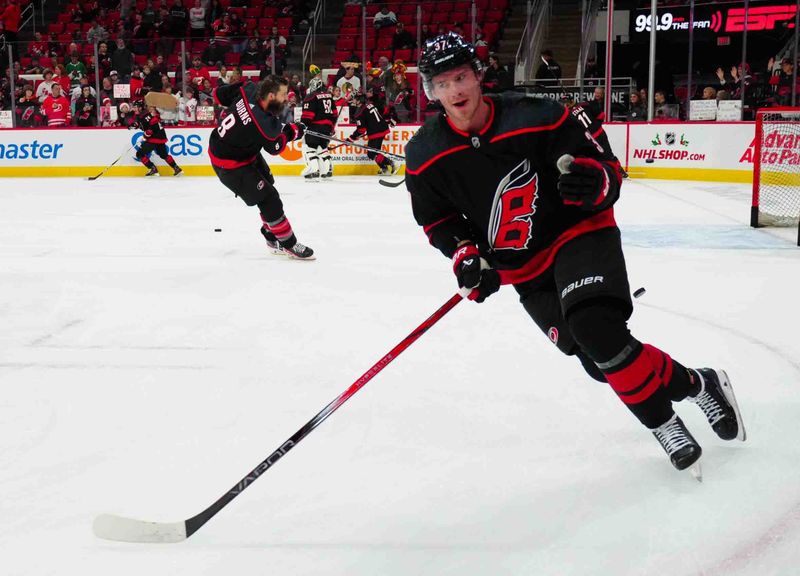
516 191
370 123
155 139
249 124
320 115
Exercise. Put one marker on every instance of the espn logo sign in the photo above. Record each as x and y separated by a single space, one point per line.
759 18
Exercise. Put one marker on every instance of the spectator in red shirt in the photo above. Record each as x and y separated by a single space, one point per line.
39 47
197 73
56 108
10 18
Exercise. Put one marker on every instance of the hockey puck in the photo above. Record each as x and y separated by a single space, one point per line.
639 292
217 229
649 160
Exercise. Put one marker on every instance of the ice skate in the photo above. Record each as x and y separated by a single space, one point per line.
178 171
273 245
393 167
682 449
714 395
152 172
298 251
311 176
328 174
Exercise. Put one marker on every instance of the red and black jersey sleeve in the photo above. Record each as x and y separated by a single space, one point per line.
226 94
441 220
154 132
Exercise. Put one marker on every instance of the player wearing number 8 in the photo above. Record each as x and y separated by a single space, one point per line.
515 190
249 124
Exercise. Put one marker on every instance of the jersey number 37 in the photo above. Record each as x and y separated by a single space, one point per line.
510 225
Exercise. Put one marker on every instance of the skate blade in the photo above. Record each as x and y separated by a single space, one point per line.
727 391
696 470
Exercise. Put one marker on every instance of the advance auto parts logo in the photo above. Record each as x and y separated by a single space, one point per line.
671 147
777 148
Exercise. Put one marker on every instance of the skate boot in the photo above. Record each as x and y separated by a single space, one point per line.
152 172
272 242
298 251
311 175
682 449
393 167
178 171
328 174
713 393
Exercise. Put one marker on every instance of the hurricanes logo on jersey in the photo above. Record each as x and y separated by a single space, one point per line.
510 226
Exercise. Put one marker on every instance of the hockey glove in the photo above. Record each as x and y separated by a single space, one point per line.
584 182
483 281
294 131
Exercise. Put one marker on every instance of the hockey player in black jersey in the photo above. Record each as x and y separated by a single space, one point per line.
155 139
320 115
514 190
370 123
250 123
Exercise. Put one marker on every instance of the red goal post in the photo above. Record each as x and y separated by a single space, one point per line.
776 169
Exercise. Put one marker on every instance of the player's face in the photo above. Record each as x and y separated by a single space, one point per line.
276 102
459 91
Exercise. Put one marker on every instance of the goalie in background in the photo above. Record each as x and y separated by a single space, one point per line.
155 137
320 115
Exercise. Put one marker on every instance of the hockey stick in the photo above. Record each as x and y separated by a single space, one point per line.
113 527
91 178
351 143
390 184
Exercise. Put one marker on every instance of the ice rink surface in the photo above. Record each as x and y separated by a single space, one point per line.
147 363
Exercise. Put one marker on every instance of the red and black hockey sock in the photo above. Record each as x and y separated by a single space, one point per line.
171 161
146 161
281 229
381 160
646 379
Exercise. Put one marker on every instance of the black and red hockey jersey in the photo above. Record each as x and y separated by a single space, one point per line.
592 116
369 121
150 124
498 187
244 128
319 112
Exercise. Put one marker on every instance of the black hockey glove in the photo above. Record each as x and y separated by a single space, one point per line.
294 131
584 182
483 281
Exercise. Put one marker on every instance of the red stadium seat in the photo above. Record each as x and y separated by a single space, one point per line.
352 10
494 15
404 55
265 23
253 12
285 22
350 21
345 43
232 58
271 11
55 28
384 43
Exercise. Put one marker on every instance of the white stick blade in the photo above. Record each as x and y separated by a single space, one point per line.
112 527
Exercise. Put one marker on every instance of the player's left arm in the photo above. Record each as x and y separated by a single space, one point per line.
590 175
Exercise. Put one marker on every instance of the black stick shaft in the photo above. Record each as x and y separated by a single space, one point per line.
350 143
110 165
194 523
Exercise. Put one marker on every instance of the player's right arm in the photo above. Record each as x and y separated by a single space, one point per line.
226 94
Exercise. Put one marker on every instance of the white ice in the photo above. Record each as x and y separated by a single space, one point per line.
147 363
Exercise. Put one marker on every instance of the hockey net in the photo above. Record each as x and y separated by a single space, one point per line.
776 168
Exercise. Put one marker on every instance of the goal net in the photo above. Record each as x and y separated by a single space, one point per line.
776 168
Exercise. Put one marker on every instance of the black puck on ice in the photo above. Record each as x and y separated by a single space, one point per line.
649 160
217 229
638 292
